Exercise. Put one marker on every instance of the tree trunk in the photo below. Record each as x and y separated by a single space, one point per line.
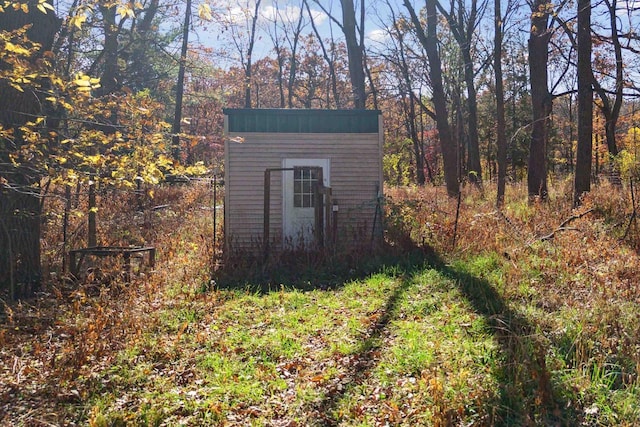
354 52
571 135
20 203
92 220
110 79
474 169
177 116
329 60
430 43
611 111
501 137
540 99
20 215
293 61
462 24
582 181
418 151
280 61
249 64
144 26
372 86
408 100
457 124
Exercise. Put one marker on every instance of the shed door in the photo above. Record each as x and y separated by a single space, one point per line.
299 201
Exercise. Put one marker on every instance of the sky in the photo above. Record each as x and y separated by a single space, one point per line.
233 17
238 13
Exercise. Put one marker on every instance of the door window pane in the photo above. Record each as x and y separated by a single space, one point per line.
304 181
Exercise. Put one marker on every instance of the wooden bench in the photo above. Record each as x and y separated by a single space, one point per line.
77 256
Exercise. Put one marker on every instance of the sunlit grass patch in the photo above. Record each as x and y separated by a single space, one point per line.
437 362
251 347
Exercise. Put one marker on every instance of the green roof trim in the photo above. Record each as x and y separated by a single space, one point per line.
302 121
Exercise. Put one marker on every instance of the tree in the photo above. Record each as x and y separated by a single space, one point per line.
294 59
249 57
354 39
290 27
280 51
611 109
611 100
429 41
408 99
242 26
110 79
137 48
328 58
177 116
145 50
395 54
116 140
582 181
463 24
541 100
355 51
501 137
24 64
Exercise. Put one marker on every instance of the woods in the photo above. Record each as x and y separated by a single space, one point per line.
510 167
429 68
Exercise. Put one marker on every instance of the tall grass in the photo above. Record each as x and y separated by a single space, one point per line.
575 286
55 345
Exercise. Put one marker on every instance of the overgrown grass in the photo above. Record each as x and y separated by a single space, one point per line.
511 326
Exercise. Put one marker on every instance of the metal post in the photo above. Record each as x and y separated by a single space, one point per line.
319 208
328 206
267 203
334 223
65 226
215 209
92 239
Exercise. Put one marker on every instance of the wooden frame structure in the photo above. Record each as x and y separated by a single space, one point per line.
77 256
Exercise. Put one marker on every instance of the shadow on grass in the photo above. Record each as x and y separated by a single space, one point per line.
527 395
365 357
302 270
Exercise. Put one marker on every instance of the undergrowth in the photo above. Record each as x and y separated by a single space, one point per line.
521 316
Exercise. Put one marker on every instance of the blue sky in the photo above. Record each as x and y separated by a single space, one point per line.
238 13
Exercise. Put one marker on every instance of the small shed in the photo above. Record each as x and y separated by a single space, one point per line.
302 178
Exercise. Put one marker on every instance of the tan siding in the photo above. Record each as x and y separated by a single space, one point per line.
355 161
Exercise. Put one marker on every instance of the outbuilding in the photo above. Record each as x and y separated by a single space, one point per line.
302 179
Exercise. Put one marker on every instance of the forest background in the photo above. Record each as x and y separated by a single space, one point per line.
507 294
471 91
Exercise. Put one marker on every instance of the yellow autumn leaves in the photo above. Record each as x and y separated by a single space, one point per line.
204 12
42 6
85 83
124 9
117 139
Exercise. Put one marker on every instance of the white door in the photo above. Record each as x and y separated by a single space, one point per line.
299 201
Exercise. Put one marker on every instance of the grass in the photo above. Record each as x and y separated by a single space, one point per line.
502 329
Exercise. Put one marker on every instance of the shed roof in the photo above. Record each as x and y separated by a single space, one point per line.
302 120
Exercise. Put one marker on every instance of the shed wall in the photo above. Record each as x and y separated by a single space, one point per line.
356 179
